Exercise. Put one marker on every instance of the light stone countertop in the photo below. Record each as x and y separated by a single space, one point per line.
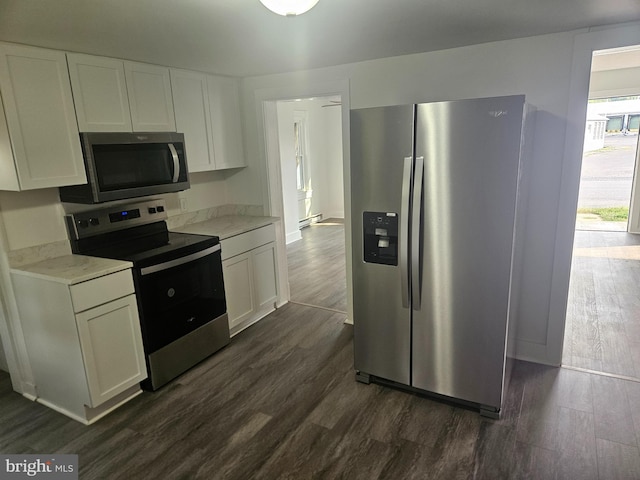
72 269
226 226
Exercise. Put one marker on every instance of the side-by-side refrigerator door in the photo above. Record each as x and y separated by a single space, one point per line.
381 175
469 184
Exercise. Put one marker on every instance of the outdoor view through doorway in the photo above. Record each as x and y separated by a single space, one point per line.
611 139
602 327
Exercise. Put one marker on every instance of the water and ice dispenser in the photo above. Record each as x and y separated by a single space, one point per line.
380 232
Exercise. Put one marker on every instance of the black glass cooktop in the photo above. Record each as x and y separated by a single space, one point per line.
144 245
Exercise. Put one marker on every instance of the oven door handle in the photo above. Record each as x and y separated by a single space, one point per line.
176 163
179 261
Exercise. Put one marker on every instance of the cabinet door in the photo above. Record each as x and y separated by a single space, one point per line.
99 93
224 101
149 88
264 275
8 172
238 287
111 346
35 88
191 104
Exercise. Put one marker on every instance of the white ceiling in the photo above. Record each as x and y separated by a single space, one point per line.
241 37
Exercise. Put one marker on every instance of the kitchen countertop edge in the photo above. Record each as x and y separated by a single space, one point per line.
226 226
71 269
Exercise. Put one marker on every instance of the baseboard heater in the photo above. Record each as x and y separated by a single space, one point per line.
305 222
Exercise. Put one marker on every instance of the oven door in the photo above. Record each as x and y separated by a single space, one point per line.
179 296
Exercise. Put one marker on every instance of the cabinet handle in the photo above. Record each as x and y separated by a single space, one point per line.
179 261
416 244
403 246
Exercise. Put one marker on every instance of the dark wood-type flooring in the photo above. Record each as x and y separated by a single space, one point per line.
317 266
281 402
603 313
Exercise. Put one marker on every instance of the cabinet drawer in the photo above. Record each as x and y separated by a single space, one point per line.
244 242
101 290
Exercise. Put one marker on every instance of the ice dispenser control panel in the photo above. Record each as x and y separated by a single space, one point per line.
380 232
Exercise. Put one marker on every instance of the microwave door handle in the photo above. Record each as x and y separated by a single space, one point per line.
176 163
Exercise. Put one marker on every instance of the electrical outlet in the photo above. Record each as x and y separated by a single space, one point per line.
183 205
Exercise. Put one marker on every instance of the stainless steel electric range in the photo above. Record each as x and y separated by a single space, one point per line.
178 281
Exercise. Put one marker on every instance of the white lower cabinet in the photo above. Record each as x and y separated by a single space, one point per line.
239 290
264 275
250 279
111 348
84 342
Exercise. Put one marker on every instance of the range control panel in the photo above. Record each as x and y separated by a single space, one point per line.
380 233
94 222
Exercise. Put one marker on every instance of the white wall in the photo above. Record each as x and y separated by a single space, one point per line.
288 170
325 156
539 67
32 218
324 143
333 146
36 217
326 163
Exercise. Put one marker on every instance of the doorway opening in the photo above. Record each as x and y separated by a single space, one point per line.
602 329
311 169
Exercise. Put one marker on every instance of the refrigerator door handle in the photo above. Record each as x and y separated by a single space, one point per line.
416 246
404 231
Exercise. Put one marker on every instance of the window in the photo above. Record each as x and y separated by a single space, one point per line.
300 147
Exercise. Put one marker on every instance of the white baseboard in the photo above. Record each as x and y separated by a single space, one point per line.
293 237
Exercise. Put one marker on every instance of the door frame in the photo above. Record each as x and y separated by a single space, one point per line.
633 224
584 46
267 117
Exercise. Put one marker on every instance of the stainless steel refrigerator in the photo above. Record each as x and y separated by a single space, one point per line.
435 221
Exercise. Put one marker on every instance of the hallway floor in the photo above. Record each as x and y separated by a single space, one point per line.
603 313
317 266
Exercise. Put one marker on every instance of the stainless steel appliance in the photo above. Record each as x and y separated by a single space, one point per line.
178 281
434 206
128 165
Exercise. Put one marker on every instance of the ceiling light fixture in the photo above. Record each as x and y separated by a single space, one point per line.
289 8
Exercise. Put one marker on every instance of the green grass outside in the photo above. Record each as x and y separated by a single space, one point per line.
608 214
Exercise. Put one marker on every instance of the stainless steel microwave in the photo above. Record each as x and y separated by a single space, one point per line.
128 165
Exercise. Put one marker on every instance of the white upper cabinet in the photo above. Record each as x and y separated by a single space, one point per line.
39 145
114 95
100 93
208 113
150 102
224 103
49 96
191 104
